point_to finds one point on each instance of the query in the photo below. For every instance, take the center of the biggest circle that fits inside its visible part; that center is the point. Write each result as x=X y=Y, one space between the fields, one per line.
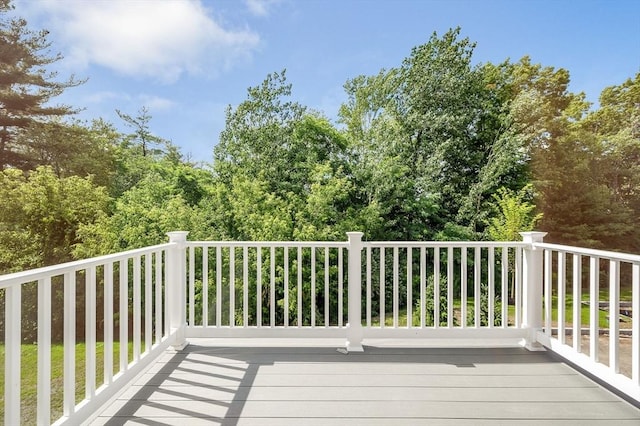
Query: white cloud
x=156 y=103
x=153 y=38
x=152 y=102
x=103 y=96
x=260 y=7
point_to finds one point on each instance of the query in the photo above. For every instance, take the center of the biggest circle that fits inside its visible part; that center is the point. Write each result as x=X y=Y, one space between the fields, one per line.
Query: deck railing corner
x=532 y=288
x=176 y=288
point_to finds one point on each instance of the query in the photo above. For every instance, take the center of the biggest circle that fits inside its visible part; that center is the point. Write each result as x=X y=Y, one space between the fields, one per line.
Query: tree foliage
x=41 y=227
x=285 y=171
x=165 y=199
x=577 y=163
x=514 y=214
x=431 y=140
x=142 y=137
x=26 y=87
x=73 y=149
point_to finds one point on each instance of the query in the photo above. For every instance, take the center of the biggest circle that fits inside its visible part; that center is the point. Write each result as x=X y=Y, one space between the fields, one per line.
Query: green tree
x=431 y=140
x=40 y=225
x=618 y=109
x=381 y=174
x=576 y=200
x=73 y=149
x=26 y=87
x=616 y=124
x=258 y=136
x=504 y=160
x=514 y=214
x=577 y=164
x=273 y=154
x=257 y=213
x=142 y=137
x=329 y=211
x=165 y=199
x=442 y=106
x=140 y=153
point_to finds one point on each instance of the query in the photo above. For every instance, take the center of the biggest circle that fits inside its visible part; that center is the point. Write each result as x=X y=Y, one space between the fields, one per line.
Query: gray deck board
x=319 y=386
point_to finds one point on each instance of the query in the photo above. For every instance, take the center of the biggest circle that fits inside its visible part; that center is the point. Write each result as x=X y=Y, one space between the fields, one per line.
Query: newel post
x=532 y=265
x=354 y=326
x=175 y=286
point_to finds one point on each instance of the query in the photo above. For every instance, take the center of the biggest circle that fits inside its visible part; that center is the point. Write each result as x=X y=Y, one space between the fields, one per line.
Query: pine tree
x=26 y=87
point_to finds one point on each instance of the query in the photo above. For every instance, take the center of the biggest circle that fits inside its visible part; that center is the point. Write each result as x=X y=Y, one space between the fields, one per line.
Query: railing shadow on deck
x=152 y=385
x=245 y=364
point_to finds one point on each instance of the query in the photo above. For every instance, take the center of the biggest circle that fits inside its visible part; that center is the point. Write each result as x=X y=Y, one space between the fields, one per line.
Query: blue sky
x=186 y=60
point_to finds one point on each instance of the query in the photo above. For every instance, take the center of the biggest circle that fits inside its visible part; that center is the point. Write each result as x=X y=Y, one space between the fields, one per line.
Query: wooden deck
x=209 y=385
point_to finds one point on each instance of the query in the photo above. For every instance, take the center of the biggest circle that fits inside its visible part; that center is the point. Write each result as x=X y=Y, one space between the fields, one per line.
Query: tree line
x=437 y=148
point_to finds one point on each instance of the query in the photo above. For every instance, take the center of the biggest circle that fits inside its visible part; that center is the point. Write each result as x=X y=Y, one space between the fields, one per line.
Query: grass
x=603 y=315
x=603 y=320
x=28 y=376
x=402 y=315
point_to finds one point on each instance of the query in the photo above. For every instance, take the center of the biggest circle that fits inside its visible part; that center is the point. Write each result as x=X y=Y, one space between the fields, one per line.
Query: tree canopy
x=437 y=147
x=26 y=86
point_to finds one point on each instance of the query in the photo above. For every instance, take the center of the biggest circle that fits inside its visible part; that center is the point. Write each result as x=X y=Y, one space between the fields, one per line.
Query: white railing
x=448 y=290
x=134 y=327
x=244 y=287
x=443 y=293
x=304 y=289
x=587 y=283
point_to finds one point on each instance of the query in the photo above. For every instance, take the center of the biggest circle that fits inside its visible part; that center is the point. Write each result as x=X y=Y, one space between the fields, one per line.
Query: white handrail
x=613 y=255
x=66 y=274
x=574 y=275
x=454 y=244
x=54 y=270
x=262 y=244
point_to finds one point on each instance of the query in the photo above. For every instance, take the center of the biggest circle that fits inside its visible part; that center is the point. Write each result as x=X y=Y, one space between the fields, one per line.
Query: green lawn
x=603 y=321
x=29 y=367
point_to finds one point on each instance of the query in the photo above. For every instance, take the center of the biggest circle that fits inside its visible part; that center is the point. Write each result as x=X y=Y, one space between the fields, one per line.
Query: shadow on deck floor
x=208 y=385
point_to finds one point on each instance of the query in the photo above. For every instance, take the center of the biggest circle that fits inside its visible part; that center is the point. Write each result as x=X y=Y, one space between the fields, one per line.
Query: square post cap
x=533 y=236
